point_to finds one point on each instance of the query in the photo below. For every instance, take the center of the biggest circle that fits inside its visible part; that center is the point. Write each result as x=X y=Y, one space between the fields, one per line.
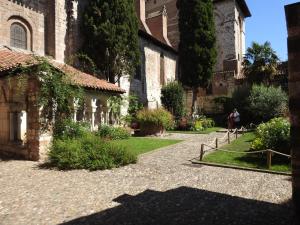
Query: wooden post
x=202 y=152
x=269 y=159
x=217 y=143
x=228 y=137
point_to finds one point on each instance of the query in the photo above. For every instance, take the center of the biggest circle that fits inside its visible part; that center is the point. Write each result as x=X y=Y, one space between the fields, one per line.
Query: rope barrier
x=279 y=153
x=254 y=152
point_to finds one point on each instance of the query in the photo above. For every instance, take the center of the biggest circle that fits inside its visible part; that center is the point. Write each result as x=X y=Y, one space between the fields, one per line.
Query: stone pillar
x=75 y=107
x=105 y=116
x=33 y=129
x=293 y=25
x=93 y=113
x=22 y=121
x=102 y=115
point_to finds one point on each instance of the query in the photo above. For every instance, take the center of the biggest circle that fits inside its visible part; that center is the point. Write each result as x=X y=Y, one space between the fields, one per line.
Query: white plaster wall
x=149 y=88
x=170 y=67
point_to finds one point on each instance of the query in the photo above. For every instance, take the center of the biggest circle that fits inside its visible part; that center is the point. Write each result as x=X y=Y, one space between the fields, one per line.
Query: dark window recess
x=138 y=73
x=14 y=126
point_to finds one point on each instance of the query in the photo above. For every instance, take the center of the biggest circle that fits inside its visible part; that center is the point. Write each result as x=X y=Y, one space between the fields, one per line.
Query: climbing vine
x=55 y=91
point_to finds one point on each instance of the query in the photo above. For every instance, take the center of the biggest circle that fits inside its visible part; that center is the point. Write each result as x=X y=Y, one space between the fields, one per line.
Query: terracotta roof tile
x=10 y=59
x=87 y=80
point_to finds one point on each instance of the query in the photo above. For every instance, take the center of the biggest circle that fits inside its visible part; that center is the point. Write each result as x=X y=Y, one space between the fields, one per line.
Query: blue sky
x=268 y=24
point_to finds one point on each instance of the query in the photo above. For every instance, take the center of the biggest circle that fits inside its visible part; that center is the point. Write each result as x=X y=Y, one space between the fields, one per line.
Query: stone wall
x=230 y=28
x=148 y=87
x=293 y=25
x=31 y=15
x=18 y=98
x=222 y=85
x=53 y=27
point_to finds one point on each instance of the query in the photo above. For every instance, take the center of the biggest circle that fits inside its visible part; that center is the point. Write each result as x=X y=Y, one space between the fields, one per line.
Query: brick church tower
x=230 y=18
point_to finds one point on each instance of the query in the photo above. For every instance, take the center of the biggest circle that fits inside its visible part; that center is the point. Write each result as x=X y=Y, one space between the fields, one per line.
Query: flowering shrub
x=274 y=134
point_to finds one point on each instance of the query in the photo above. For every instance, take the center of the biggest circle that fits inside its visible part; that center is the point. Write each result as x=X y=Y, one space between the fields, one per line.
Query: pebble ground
x=162 y=188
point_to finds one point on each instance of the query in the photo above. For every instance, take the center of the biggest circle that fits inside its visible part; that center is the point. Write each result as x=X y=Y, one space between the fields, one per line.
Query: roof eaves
x=157 y=42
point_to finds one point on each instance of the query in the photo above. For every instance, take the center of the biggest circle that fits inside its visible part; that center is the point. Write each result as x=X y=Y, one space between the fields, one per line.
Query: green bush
x=240 y=101
x=134 y=105
x=172 y=98
x=157 y=117
x=202 y=123
x=274 y=134
x=113 y=133
x=88 y=152
x=266 y=103
x=69 y=128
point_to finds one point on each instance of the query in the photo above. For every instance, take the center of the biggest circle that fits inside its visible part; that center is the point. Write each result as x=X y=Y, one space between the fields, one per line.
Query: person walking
x=230 y=121
x=236 y=119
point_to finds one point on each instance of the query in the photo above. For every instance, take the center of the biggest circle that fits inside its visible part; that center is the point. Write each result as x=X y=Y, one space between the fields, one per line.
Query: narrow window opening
x=18 y=36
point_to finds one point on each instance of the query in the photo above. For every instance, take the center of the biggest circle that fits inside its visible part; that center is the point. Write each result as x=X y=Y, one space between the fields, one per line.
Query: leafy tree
x=134 y=105
x=172 y=98
x=197 y=48
x=110 y=30
x=266 y=103
x=260 y=63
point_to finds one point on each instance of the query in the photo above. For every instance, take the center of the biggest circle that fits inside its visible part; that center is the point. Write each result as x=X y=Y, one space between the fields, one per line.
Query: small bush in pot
x=154 y=121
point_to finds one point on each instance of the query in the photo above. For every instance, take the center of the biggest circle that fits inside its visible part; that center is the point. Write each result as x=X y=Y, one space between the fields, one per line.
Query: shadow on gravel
x=189 y=206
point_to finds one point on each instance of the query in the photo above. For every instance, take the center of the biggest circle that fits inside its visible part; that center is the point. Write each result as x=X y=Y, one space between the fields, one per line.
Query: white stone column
x=102 y=119
x=22 y=122
x=93 y=112
x=75 y=107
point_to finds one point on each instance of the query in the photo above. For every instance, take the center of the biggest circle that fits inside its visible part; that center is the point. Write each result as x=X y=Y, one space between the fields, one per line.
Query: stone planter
x=151 y=129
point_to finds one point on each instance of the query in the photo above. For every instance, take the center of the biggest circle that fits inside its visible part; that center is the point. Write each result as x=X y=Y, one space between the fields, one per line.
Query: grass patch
x=206 y=131
x=258 y=161
x=139 y=145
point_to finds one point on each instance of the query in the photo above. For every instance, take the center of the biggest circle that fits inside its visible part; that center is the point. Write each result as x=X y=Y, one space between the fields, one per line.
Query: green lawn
x=140 y=145
x=258 y=161
x=206 y=131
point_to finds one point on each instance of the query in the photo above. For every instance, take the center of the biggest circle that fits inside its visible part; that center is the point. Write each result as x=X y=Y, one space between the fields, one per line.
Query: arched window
x=18 y=36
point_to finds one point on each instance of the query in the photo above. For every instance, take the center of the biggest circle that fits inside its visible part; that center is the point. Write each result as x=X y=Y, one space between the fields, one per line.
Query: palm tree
x=260 y=63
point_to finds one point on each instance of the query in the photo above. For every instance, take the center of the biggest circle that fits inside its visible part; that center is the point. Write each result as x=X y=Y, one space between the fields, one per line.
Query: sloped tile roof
x=88 y=81
x=10 y=59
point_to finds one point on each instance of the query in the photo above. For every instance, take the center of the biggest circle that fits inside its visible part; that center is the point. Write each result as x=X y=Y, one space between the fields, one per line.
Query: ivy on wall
x=55 y=92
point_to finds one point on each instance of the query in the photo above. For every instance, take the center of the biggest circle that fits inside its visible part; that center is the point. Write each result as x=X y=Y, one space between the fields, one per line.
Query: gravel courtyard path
x=162 y=188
